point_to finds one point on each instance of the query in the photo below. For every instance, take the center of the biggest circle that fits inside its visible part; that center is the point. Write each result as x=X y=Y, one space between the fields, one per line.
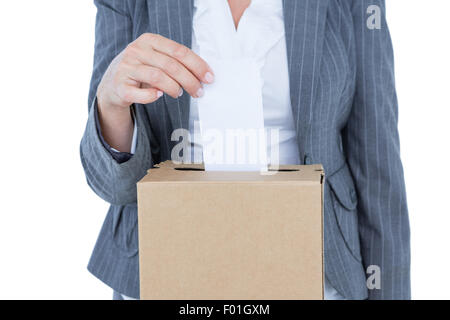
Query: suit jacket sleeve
x=114 y=181
x=371 y=143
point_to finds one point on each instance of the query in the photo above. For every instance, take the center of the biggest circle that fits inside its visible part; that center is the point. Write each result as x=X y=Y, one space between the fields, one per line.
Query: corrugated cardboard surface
x=231 y=235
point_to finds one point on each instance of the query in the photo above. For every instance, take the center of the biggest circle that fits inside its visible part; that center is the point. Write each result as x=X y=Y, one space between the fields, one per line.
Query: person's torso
x=321 y=68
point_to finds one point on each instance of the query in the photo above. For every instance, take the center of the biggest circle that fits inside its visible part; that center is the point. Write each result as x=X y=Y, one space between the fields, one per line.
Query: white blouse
x=260 y=36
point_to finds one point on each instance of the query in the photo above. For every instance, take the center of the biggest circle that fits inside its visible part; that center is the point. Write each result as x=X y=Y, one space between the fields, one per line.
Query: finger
x=156 y=78
x=175 y=70
x=132 y=94
x=181 y=53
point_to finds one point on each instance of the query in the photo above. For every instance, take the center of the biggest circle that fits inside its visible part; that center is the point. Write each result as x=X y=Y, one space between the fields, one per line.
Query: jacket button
x=307 y=159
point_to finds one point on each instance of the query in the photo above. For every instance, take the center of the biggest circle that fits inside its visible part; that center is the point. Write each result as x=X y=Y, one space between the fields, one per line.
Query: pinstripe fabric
x=345 y=110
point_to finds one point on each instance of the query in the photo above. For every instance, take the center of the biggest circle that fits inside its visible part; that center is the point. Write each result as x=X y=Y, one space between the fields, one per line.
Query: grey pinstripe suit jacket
x=345 y=109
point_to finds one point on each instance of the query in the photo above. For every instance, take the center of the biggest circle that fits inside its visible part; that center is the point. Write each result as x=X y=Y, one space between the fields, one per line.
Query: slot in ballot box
x=207 y=235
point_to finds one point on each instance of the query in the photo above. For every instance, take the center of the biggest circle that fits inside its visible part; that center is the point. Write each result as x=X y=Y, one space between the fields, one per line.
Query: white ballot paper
x=231 y=117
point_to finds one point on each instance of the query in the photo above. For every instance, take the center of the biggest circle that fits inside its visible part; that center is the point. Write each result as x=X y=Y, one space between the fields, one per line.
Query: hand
x=150 y=66
x=141 y=73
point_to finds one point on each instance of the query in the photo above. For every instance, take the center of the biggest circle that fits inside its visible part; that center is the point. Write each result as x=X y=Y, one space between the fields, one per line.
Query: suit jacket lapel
x=173 y=19
x=305 y=27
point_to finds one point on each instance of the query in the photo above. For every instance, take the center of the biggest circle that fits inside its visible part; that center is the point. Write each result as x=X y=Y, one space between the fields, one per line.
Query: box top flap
x=170 y=172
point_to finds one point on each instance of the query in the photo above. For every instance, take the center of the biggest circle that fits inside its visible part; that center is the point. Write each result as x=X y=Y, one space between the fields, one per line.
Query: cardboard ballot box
x=231 y=235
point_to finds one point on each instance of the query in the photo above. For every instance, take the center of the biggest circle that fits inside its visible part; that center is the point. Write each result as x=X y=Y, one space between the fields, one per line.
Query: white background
x=49 y=218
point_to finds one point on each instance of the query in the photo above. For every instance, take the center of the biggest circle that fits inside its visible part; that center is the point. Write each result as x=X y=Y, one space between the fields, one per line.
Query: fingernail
x=200 y=93
x=159 y=94
x=209 y=78
x=180 y=93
